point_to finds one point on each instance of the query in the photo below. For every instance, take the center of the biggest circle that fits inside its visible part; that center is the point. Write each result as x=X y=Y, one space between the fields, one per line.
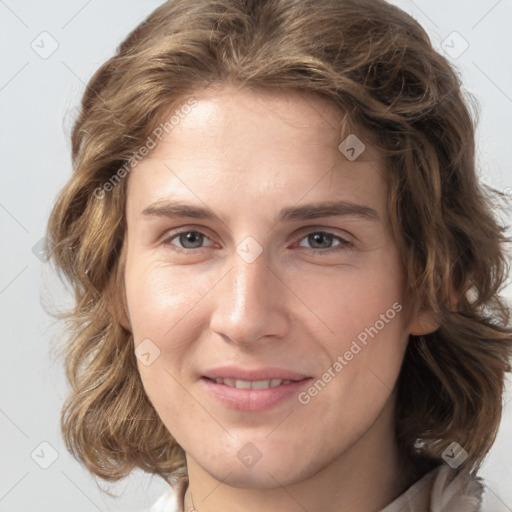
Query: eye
x=323 y=240
x=190 y=239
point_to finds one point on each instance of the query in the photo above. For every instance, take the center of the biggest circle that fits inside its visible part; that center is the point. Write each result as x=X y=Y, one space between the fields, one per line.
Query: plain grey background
x=49 y=49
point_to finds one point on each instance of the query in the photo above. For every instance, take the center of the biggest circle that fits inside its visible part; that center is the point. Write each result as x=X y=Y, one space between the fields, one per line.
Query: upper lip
x=253 y=374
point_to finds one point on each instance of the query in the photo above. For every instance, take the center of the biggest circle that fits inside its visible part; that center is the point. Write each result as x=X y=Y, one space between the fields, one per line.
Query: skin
x=245 y=155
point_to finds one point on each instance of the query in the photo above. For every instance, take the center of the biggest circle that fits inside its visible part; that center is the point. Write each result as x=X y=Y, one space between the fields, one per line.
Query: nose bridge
x=248 y=282
x=248 y=304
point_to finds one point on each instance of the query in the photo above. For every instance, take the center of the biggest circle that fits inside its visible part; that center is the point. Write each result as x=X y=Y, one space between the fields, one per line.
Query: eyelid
x=342 y=245
x=174 y=233
x=325 y=229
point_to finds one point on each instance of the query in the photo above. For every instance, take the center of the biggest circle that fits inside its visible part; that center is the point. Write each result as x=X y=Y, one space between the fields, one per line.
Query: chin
x=257 y=477
x=273 y=468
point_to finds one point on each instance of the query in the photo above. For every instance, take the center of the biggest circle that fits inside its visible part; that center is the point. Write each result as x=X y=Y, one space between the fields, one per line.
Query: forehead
x=259 y=144
x=287 y=116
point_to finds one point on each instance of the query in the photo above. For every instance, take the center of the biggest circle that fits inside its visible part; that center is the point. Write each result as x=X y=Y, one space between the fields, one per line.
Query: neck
x=365 y=478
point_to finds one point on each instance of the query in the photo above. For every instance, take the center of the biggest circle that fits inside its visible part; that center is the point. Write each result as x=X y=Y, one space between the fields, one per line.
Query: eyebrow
x=292 y=213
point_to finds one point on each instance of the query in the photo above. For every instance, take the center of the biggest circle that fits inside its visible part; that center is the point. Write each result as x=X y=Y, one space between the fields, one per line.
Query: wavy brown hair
x=376 y=64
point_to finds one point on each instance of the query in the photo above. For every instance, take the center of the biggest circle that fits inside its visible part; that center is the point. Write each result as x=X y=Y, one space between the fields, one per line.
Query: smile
x=252 y=384
x=252 y=395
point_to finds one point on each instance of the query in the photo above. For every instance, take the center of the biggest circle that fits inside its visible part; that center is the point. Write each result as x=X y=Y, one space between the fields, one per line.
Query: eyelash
x=344 y=245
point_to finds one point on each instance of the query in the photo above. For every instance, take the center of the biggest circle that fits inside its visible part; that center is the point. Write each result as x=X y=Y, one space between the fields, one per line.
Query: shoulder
x=172 y=500
x=441 y=490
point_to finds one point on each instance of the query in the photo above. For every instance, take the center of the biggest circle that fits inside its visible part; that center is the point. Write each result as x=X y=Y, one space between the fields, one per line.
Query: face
x=264 y=291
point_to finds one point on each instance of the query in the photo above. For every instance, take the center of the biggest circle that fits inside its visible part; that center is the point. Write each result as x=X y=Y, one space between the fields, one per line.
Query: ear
x=423 y=323
x=118 y=302
x=122 y=311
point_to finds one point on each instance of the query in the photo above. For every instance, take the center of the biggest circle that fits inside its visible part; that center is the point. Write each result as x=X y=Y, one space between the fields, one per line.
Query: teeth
x=242 y=384
x=254 y=384
x=259 y=384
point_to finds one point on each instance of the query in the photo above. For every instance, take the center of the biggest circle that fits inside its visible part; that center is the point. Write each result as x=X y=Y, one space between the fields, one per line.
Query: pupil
x=189 y=238
x=317 y=237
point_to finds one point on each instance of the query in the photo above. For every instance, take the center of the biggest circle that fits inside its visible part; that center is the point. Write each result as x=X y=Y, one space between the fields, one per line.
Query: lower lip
x=253 y=399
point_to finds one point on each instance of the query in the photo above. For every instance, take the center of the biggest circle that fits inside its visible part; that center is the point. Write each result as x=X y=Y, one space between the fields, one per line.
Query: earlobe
x=118 y=303
x=424 y=323
x=123 y=318
x=121 y=309
x=118 y=309
x=120 y=300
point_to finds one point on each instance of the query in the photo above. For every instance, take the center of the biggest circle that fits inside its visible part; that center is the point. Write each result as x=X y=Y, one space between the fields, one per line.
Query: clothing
x=441 y=490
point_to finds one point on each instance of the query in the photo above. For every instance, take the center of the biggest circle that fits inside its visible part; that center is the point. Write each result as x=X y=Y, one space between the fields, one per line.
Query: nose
x=250 y=303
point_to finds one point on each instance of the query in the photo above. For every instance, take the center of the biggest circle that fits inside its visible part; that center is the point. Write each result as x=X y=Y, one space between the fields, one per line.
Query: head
x=242 y=114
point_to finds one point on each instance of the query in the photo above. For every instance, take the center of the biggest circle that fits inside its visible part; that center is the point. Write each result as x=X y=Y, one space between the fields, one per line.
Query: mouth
x=256 y=394
x=248 y=384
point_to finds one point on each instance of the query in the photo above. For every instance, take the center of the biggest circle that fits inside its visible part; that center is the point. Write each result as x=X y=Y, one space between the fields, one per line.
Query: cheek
x=161 y=298
x=363 y=317
x=161 y=303
x=352 y=299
